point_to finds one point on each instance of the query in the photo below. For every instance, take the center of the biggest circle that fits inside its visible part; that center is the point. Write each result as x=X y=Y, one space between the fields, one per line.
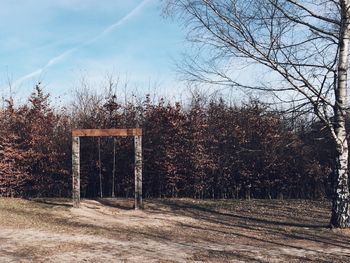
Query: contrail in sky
x=55 y=60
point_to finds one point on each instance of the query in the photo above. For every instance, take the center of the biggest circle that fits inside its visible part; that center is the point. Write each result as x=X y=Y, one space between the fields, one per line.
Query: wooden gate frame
x=77 y=133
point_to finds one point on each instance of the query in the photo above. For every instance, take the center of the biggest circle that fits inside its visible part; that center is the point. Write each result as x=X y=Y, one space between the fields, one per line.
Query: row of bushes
x=204 y=149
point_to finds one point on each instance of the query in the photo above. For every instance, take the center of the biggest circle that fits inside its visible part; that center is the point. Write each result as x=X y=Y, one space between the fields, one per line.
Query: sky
x=61 y=42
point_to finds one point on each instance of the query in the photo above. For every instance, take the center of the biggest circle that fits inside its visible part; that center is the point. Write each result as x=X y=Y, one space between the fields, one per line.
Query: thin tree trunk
x=340 y=209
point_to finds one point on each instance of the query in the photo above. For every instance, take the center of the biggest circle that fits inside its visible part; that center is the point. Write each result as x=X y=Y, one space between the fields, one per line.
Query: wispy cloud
x=136 y=11
x=59 y=58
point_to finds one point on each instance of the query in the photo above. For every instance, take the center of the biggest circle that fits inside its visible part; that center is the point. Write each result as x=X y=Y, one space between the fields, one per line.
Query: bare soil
x=169 y=230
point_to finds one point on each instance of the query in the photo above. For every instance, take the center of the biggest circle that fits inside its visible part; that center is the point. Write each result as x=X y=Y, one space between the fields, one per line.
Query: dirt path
x=32 y=245
x=169 y=231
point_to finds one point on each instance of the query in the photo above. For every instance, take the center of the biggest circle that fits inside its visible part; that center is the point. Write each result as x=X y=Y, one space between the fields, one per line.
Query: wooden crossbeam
x=106 y=132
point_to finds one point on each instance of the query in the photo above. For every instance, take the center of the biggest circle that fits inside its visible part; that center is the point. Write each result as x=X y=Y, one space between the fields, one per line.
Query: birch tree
x=303 y=43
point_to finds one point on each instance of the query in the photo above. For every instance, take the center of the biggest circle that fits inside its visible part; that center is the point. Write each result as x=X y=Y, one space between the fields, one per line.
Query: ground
x=169 y=230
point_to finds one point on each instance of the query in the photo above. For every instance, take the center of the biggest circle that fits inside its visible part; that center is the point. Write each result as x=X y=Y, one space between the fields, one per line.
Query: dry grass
x=169 y=230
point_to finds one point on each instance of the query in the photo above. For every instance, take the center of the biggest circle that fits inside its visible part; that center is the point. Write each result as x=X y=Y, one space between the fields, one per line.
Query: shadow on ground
x=222 y=230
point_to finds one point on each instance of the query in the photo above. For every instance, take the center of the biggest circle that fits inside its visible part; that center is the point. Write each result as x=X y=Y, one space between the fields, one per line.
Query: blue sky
x=59 y=42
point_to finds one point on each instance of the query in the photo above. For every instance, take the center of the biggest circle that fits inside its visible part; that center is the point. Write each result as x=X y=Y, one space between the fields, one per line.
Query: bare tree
x=305 y=45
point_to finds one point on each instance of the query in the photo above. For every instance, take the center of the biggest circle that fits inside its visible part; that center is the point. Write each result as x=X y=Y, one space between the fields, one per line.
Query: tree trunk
x=341 y=210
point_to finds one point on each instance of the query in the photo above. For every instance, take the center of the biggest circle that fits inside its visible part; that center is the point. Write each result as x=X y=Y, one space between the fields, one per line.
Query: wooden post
x=100 y=166
x=138 y=172
x=77 y=133
x=76 y=171
x=113 y=172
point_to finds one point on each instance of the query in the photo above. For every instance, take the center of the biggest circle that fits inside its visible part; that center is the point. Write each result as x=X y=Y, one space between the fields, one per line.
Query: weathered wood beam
x=138 y=172
x=106 y=132
x=76 y=171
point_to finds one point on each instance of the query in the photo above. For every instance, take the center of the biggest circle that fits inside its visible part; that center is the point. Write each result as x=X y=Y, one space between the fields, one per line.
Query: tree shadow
x=282 y=230
x=217 y=232
x=53 y=202
x=116 y=203
x=176 y=206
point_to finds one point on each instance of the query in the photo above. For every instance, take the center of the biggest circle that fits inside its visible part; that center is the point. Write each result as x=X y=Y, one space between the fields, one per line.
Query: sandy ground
x=169 y=230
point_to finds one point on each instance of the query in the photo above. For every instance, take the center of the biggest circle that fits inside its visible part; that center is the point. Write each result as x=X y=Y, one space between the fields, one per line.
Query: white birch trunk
x=341 y=210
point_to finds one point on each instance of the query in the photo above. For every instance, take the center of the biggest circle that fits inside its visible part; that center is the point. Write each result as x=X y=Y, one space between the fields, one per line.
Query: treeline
x=204 y=149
